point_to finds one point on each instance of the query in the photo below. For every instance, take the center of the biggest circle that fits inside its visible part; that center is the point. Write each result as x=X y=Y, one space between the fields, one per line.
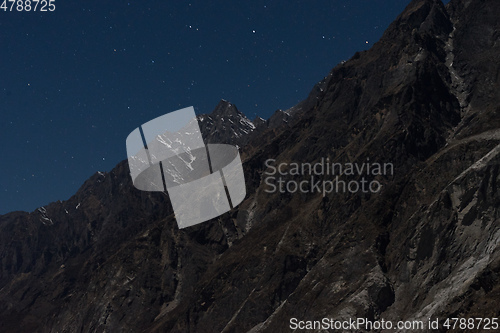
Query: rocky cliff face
x=226 y=124
x=424 y=98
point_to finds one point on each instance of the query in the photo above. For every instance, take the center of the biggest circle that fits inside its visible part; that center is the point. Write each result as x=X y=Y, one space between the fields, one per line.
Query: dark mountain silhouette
x=226 y=124
x=424 y=98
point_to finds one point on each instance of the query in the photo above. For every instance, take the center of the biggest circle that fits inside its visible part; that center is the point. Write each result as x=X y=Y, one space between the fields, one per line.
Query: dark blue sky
x=75 y=82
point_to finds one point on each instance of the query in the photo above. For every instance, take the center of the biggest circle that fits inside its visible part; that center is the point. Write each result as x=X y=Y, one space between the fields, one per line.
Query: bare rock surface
x=425 y=98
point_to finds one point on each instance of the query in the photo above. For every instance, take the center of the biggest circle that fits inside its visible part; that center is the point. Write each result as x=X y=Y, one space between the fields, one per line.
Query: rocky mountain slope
x=425 y=99
x=226 y=124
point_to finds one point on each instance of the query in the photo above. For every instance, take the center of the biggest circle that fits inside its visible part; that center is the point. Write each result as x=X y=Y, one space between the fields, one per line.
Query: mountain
x=226 y=124
x=423 y=100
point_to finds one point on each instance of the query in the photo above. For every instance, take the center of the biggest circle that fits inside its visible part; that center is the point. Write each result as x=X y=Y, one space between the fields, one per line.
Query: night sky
x=76 y=81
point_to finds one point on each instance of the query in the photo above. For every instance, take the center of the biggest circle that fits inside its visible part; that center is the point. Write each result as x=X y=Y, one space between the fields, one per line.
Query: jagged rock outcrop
x=424 y=99
x=260 y=122
x=226 y=124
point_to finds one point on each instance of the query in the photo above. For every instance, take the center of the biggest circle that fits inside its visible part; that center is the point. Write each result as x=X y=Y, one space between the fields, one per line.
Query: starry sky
x=76 y=81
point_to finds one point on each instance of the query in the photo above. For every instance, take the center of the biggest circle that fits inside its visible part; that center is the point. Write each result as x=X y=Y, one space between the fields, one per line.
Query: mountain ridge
x=425 y=246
